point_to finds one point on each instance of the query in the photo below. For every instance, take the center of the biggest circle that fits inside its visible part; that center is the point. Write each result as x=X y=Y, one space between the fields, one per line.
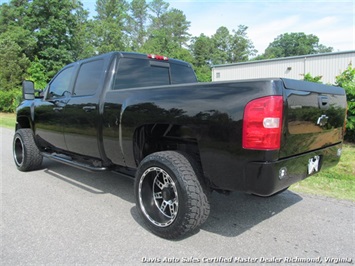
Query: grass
x=337 y=182
x=7 y=120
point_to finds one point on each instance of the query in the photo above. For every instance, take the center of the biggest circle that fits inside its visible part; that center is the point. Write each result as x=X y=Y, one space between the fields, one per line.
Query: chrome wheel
x=18 y=151
x=170 y=198
x=158 y=196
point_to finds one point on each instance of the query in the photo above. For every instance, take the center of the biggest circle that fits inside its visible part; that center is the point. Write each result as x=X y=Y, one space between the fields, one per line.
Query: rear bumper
x=267 y=178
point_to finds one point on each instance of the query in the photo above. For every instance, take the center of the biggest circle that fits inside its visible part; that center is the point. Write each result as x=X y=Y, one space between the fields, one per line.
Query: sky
x=333 y=22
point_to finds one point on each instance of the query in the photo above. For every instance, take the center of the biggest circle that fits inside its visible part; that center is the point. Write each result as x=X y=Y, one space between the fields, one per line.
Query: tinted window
x=182 y=74
x=89 y=77
x=61 y=83
x=134 y=73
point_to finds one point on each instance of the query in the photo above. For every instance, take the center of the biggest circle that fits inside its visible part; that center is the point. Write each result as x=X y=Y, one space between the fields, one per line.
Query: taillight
x=262 y=123
x=157 y=57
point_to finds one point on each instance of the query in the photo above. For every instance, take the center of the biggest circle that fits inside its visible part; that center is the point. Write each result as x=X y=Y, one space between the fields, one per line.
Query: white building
x=327 y=65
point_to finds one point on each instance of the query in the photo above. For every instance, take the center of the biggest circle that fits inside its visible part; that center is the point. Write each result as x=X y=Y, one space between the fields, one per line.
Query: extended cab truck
x=147 y=117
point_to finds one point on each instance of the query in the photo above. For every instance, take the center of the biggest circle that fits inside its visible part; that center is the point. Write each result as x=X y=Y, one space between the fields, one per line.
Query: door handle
x=89 y=108
x=323 y=101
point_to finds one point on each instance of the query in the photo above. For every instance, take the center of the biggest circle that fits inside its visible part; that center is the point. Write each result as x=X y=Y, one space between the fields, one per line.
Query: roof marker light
x=157 y=57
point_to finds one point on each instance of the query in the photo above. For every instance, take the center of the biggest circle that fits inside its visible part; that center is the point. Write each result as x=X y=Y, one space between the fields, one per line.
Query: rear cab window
x=182 y=74
x=142 y=72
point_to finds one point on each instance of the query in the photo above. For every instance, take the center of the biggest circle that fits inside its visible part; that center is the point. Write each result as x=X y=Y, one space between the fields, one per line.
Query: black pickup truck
x=146 y=116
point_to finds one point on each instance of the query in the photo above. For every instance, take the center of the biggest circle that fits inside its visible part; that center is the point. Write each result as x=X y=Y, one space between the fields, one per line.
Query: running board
x=69 y=162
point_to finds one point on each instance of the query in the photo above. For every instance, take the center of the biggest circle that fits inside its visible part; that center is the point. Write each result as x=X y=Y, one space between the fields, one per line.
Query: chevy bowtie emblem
x=322 y=120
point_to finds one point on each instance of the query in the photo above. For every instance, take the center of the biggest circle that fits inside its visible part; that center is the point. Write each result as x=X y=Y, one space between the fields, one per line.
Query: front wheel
x=170 y=196
x=26 y=155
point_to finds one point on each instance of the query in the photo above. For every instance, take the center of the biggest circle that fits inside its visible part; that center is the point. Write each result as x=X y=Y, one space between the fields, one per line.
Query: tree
x=13 y=65
x=109 y=26
x=203 y=73
x=53 y=24
x=293 y=44
x=176 y=26
x=36 y=72
x=168 y=31
x=310 y=78
x=241 y=48
x=221 y=46
x=13 y=14
x=158 y=8
x=137 y=24
x=201 y=48
x=231 y=47
x=83 y=46
x=22 y=37
x=346 y=80
x=45 y=29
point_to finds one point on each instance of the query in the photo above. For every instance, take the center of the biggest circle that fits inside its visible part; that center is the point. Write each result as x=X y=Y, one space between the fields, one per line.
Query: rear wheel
x=169 y=195
x=26 y=155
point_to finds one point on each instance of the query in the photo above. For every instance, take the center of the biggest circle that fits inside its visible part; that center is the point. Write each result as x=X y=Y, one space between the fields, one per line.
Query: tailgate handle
x=323 y=101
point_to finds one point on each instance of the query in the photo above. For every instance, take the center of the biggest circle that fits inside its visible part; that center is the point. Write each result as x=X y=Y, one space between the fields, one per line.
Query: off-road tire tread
x=32 y=159
x=198 y=207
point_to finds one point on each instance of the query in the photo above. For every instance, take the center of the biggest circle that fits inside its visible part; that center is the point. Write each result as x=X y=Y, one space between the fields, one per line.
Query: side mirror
x=28 y=90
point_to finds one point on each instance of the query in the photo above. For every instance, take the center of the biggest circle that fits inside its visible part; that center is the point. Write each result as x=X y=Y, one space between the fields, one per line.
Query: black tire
x=169 y=196
x=26 y=155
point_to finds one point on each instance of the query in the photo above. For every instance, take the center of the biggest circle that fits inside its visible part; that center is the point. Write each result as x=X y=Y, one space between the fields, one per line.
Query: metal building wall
x=326 y=65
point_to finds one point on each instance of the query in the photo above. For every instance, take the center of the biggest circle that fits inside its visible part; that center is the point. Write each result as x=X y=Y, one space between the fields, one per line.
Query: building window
x=218 y=75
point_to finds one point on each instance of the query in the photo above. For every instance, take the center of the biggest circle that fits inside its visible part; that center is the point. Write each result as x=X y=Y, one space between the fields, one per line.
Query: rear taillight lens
x=262 y=123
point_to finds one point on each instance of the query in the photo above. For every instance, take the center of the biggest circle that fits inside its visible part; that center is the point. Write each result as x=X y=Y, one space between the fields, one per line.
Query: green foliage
x=293 y=44
x=109 y=26
x=168 y=30
x=309 y=77
x=137 y=23
x=53 y=23
x=223 y=47
x=220 y=46
x=7 y=120
x=201 y=48
x=337 y=182
x=9 y=100
x=36 y=73
x=39 y=37
x=13 y=64
x=346 y=80
x=82 y=40
x=13 y=14
x=241 y=48
x=203 y=73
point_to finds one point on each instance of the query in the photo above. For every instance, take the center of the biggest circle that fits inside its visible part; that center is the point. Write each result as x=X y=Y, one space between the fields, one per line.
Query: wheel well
x=161 y=137
x=22 y=122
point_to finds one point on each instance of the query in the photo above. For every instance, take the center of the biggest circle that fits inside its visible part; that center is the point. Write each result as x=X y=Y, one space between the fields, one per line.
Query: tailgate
x=314 y=117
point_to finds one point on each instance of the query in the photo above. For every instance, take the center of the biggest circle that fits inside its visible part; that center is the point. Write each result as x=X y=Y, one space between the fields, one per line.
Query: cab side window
x=61 y=83
x=89 y=78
